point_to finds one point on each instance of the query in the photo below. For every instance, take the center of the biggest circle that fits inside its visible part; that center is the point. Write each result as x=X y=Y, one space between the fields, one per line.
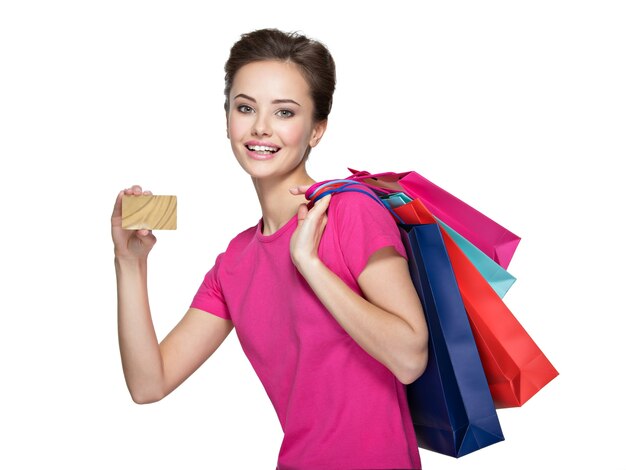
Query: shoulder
x=359 y=205
x=234 y=249
x=360 y=217
x=362 y=225
x=243 y=238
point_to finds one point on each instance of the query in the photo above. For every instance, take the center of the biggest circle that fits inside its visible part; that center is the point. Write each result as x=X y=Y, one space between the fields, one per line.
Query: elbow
x=413 y=371
x=415 y=365
x=144 y=397
x=141 y=399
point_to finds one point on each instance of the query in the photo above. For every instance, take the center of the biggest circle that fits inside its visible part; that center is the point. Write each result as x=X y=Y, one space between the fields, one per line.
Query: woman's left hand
x=311 y=223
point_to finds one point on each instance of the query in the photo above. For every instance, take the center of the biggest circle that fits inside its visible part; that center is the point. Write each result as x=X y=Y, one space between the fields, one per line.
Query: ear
x=318 y=132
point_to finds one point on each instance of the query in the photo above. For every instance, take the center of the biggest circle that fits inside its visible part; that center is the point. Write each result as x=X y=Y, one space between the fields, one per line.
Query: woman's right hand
x=130 y=244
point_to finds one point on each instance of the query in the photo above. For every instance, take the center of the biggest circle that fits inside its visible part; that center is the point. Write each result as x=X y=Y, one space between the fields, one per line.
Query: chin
x=258 y=169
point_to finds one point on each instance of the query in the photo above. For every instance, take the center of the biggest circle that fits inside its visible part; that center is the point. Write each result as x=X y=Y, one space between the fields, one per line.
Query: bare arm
x=389 y=323
x=153 y=370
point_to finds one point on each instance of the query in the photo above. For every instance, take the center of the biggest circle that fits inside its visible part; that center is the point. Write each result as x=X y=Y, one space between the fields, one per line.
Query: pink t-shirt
x=338 y=406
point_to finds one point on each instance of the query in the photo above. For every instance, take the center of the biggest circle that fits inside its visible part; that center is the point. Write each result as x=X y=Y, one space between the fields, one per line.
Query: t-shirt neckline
x=277 y=233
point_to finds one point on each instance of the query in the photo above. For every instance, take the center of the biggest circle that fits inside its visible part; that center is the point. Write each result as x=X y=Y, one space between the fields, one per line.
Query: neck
x=277 y=203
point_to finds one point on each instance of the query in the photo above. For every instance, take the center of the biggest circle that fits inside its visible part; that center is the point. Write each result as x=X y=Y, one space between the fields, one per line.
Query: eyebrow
x=242 y=95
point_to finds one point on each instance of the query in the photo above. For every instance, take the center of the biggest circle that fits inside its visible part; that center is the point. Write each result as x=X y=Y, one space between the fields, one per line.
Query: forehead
x=271 y=80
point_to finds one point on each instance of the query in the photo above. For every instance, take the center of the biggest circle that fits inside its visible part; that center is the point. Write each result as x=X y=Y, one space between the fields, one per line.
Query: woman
x=321 y=299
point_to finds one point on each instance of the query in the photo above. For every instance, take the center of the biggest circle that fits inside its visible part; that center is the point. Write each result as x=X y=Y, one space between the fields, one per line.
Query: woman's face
x=270 y=118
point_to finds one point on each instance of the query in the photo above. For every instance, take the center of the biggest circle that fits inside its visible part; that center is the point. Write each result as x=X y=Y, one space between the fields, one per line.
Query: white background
x=516 y=107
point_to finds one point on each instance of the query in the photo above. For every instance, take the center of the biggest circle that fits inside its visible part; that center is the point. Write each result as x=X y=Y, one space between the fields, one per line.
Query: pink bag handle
x=383 y=182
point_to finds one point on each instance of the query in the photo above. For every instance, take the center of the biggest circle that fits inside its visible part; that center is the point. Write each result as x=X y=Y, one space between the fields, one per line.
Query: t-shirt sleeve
x=363 y=226
x=209 y=297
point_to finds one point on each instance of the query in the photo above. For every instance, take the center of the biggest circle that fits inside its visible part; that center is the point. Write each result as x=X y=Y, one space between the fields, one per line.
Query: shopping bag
x=488 y=236
x=451 y=405
x=515 y=367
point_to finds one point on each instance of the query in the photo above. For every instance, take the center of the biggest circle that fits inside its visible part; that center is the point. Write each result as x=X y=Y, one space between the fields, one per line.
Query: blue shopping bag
x=451 y=405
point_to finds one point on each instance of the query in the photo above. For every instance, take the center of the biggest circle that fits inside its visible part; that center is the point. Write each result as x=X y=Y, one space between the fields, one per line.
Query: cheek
x=294 y=133
x=236 y=126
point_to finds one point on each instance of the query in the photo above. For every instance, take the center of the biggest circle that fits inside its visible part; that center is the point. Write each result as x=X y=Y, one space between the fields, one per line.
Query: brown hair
x=312 y=58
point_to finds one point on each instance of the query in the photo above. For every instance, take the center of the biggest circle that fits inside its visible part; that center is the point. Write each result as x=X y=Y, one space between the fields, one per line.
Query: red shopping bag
x=515 y=367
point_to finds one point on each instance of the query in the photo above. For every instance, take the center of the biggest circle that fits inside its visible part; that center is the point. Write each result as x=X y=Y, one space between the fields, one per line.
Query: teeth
x=262 y=148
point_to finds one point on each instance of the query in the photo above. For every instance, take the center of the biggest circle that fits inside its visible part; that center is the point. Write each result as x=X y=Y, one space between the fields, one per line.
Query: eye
x=285 y=113
x=244 y=108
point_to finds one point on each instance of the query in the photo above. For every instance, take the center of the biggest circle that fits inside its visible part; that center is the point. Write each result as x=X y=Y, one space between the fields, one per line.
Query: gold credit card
x=149 y=212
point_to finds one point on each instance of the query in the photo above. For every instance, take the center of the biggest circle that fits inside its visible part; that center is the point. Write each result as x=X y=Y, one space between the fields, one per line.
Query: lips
x=261 y=150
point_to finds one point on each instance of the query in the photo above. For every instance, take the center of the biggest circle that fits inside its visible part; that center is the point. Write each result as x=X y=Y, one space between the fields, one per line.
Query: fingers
x=300 y=189
x=302 y=213
x=321 y=205
x=134 y=190
x=318 y=210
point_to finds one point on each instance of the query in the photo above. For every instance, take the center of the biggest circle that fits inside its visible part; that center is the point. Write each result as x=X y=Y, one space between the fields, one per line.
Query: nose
x=261 y=125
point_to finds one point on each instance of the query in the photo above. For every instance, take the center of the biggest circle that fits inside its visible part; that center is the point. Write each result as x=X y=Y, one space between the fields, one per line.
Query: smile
x=262 y=149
